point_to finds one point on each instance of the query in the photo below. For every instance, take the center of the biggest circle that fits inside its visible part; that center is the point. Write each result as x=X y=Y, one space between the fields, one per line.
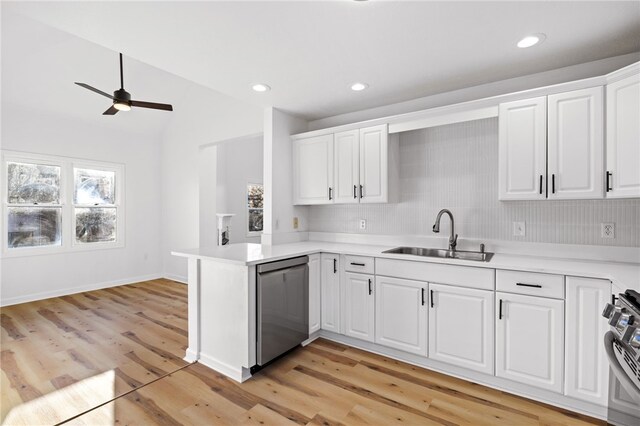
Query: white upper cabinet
x=346 y=167
x=314 y=293
x=359 y=306
x=522 y=136
x=401 y=314
x=313 y=170
x=461 y=330
x=373 y=164
x=530 y=340
x=346 y=160
x=623 y=138
x=587 y=368
x=576 y=144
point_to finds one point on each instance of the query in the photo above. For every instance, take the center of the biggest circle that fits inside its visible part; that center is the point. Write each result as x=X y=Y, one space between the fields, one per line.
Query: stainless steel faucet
x=453 y=238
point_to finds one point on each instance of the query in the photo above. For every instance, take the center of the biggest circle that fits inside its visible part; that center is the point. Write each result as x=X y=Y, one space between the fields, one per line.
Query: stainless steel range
x=622 y=343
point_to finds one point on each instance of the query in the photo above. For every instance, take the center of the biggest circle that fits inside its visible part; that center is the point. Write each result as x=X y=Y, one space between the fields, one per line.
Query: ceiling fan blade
x=111 y=111
x=93 y=89
x=152 y=105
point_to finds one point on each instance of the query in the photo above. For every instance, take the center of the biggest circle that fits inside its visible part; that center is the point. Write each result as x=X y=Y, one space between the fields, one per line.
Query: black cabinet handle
x=529 y=285
x=330 y=197
x=553 y=183
x=422 y=296
x=431 y=296
x=609 y=181
x=361 y=191
x=500 y=310
x=540 y=184
x=357 y=264
x=370 y=290
x=335 y=265
x=355 y=195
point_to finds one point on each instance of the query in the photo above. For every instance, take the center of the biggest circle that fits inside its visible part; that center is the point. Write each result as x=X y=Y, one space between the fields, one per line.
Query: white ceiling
x=311 y=52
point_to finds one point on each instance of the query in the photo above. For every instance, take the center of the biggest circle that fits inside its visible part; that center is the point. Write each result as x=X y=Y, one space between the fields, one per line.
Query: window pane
x=34 y=226
x=33 y=183
x=95 y=224
x=255 y=220
x=255 y=195
x=94 y=187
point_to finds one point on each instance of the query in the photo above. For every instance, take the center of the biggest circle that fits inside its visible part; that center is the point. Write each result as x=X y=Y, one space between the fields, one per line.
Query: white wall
x=42 y=276
x=206 y=117
x=279 y=210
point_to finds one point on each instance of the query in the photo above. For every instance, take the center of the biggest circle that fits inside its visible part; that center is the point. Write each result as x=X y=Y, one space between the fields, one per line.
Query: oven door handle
x=620 y=374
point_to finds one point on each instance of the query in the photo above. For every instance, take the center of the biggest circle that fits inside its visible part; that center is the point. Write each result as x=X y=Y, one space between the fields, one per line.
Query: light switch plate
x=295 y=223
x=519 y=229
x=608 y=230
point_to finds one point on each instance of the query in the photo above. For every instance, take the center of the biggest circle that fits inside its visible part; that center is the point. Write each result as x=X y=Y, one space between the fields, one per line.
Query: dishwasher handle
x=282 y=264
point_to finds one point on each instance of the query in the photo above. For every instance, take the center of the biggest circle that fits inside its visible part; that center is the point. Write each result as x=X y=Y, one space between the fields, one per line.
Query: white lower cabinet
x=461 y=327
x=359 y=306
x=314 y=293
x=330 y=292
x=530 y=340
x=401 y=314
x=587 y=368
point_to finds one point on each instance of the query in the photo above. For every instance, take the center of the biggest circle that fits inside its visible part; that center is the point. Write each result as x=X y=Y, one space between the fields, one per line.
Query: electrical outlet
x=295 y=223
x=363 y=224
x=608 y=230
x=519 y=229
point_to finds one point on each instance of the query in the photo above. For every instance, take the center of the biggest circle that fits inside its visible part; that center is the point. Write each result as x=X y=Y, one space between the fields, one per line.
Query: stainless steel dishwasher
x=282 y=307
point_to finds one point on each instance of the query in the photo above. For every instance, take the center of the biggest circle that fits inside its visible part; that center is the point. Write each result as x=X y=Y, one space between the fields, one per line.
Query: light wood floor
x=139 y=335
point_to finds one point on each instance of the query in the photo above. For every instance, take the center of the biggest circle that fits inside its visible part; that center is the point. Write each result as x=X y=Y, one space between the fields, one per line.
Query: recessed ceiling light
x=261 y=87
x=531 y=40
x=357 y=87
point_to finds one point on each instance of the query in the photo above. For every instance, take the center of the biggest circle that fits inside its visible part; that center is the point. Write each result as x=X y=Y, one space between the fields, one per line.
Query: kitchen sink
x=442 y=253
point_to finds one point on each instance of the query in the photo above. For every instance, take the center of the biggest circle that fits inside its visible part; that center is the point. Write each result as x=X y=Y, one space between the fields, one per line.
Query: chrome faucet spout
x=453 y=237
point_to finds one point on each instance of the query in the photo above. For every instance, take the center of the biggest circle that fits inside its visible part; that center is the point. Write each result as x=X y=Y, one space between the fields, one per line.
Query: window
x=54 y=204
x=255 y=195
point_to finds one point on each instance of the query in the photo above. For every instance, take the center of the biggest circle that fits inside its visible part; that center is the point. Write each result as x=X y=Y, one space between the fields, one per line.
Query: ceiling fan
x=122 y=99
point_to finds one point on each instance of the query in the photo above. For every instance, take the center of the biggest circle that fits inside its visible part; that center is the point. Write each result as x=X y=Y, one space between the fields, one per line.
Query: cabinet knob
x=608 y=310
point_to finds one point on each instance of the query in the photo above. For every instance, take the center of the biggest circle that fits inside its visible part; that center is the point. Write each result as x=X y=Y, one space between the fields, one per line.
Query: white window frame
x=246 y=223
x=67 y=188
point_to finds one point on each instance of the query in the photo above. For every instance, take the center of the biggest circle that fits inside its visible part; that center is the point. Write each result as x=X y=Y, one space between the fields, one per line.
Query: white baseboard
x=174 y=277
x=73 y=290
x=238 y=374
x=190 y=355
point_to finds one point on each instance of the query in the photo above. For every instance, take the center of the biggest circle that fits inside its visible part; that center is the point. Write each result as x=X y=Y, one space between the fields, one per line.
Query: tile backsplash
x=456 y=167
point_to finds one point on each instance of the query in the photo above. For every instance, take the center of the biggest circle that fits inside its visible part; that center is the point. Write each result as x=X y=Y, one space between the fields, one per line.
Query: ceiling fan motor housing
x=122 y=95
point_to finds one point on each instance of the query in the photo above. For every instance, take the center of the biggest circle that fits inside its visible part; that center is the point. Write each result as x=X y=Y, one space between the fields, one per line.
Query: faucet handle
x=482 y=248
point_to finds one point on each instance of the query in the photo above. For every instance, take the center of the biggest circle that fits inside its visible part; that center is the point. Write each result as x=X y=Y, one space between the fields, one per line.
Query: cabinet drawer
x=360 y=264
x=531 y=283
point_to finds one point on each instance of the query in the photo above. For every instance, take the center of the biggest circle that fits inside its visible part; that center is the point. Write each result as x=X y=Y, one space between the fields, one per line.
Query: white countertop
x=622 y=275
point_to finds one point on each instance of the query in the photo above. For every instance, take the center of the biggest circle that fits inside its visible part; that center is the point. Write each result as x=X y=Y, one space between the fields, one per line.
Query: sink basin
x=442 y=253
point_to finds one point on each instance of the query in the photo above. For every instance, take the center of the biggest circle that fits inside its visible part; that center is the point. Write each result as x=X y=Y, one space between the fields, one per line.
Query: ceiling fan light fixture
x=122 y=106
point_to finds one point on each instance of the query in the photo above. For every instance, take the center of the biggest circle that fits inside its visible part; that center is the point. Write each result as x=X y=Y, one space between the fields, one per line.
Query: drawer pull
x=357 y=264
x=529 y=285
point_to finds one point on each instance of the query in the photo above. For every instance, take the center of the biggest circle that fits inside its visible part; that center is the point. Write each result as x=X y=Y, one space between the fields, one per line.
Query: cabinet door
x=330 y=292
x=530 y=340
x=587 y=368
x=522 y=148
x=359 y=306
x=401 y=314
x=374 y=164
x=576 y=144
x=314 y=293
x=313 y=170
x=623 y=138
x=346 y=158
x=461 y=327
